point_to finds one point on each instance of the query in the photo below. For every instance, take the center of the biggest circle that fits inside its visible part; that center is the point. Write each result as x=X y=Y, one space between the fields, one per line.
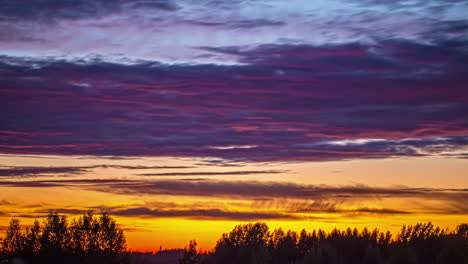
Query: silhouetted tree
x=372 y=255
x=455 y=247
x=190 y=254
x=462 y=230
x=98 y=239
x=55 y=237
x=244 y=244
x=323 y=254
x=404 y=255
x=418 y=244
x=89 y=240
x=306 y=241
x=284 y=246
x=110 y=237
x=84 y=234
x=33 y=239
x=13 y=243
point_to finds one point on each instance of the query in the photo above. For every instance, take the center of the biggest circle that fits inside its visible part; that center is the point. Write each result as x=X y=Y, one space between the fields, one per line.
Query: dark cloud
x=212 y=173
x=249 y=189
x=39 y=171
x=140 y=167
x=288 y=200
x=168 y=210
x=457 y=155
x=202 y=214
x=356 y=211
x=5 y=202
x=51 y=10
x=220 y=163
x=286 y=102
x=322 y=205
x=213 y=213
x=379 y=211
x=238 y=24
x=166 y=5
x=15 y=171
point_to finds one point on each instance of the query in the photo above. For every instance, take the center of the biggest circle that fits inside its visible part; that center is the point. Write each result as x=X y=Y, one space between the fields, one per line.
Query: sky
x=185 y=118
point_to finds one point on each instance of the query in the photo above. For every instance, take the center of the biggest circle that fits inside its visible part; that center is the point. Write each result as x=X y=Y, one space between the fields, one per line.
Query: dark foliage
x=88 y=239
x=190 y=254
x=414 y=244
x=98 y=239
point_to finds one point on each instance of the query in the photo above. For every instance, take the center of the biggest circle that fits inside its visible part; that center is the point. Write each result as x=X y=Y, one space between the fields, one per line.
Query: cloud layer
x=250 y=200
x=284 y=102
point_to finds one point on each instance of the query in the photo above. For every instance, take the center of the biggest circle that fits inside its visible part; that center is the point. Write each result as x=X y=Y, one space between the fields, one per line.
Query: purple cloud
x=51 y=11
x=39 y=171
x=287 y=102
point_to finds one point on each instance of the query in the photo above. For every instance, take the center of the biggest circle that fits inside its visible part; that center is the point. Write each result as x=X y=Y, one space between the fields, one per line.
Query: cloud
x=217 y=210
x=284 y=102
x=255 y=200
x=5 y=202
x=353 y=211
x=457 y=155
x=98 y=25
x=321 y=195
x=175 y=211
x=202 y=214
x=39 y=171
x=379 y=211
x=140 y=167
x=166 y=210
x=212 y=173
x=324 y=206
x=50 y=10
x=325 y=198
x=405 y=4
x=249 y=189
x=25 y=172
x=238 y=24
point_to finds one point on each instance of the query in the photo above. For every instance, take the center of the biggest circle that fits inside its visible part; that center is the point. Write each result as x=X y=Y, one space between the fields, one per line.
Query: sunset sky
x=185 y=118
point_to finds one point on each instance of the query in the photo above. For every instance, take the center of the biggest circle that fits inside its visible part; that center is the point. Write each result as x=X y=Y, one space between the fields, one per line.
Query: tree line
x=87 y=239
x=415 y=244
x=98 y=239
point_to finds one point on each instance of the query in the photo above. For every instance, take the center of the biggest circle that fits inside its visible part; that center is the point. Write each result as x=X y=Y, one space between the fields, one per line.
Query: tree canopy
x=414 y=244
x=88 y=239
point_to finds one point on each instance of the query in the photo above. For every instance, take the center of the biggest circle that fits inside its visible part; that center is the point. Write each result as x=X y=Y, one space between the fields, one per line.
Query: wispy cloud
x=27 y=172
x=212 y=173
x=39 y=171
x=238 y=24
x=283 y=196
x=203 y=214
x=291 y=211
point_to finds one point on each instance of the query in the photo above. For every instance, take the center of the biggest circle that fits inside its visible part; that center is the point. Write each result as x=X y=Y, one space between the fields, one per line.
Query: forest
x=414 y=244
x=99 y=239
